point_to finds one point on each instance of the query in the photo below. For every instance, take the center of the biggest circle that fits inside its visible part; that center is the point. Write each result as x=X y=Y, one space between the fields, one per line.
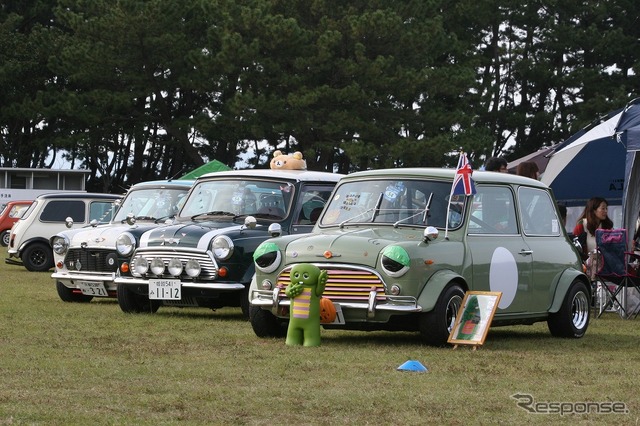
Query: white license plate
x=339 y=315
x=92 y=288
x=165 y=289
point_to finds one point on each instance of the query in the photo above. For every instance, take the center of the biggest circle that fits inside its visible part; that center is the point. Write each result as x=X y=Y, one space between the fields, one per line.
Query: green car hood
x=360 y=245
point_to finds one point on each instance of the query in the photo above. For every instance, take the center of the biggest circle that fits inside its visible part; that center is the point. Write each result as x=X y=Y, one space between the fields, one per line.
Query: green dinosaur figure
x=307 y=285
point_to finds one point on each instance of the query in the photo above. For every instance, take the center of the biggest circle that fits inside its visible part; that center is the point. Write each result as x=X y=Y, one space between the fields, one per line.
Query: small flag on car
x=463 y=183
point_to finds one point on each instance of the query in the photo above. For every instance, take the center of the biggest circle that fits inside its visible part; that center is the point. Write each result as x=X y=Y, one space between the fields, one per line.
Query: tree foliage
x=141 y=89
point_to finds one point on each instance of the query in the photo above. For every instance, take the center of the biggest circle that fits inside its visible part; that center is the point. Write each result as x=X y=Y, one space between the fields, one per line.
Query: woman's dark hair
x=528 y=169
x=590 y=214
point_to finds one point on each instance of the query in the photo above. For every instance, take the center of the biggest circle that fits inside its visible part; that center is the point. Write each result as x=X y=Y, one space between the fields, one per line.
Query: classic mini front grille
x=343 y=283
x=94 y=260
x=208 y=266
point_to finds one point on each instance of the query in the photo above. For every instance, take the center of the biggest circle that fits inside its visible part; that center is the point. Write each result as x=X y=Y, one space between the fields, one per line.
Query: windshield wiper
x=427 y=209
x=213 y=213
x=138 y=218
x=377 y=207
x=425 y=213
x=158 y=220
x=395 y=225
x=267 y=215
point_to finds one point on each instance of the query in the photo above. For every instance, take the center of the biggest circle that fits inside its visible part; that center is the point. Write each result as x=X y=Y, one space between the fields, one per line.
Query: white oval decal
x=503 y=276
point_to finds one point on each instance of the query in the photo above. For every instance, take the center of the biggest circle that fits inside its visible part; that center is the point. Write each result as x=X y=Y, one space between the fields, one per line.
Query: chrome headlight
x=175 y=267
x=125 y=243
x=267 y=257
x=139 y=266
x=192 y=268
x=60 y=244
x=157 y=266
x=395 y=261
x=222 y=247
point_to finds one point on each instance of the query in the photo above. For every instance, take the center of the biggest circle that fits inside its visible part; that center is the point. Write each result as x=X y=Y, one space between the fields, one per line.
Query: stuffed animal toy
x=304 y=291
x=282 y=161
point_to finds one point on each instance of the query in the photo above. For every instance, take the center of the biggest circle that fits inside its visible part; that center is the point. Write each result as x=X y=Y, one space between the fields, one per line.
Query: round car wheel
x=265 y=324
x=5 y=237
x=572 y=319
x=436 y=325
x=38 y=257
x=67 y=294
x=131 y=302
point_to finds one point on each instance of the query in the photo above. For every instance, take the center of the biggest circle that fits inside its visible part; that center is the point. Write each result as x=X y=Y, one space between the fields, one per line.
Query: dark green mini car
x=401 y=252
x=204 y=259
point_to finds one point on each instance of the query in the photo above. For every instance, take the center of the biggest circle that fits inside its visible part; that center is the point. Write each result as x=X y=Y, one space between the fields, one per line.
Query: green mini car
x=401 y=251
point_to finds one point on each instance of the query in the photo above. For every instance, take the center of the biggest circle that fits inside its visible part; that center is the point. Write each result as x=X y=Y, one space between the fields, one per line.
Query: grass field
x=64 y=363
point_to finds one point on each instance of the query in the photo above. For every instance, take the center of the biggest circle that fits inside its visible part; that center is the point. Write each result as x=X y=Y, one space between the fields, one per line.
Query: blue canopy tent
x=628 y=134
x=591 y=163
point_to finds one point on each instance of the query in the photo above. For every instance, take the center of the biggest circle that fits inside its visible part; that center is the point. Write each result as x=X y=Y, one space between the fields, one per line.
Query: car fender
x=434 y=287
x=564 y=283
x=27 y=243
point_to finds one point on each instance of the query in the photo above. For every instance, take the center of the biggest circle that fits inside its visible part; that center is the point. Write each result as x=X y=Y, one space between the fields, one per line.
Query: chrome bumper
x=400 y=304
x=69 y=279
x=184 y=284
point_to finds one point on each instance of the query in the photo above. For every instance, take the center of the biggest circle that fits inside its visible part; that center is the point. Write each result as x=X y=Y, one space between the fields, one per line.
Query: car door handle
x=526 y=252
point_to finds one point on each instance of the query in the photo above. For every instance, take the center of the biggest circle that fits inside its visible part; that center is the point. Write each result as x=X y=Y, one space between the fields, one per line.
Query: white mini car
x=29 y=239
x=86 y=260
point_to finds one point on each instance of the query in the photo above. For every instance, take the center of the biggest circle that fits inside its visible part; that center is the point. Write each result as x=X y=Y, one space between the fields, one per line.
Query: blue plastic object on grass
x=413 y=365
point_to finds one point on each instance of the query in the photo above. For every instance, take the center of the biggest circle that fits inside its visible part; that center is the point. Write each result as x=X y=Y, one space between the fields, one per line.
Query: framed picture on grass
x=474 y=318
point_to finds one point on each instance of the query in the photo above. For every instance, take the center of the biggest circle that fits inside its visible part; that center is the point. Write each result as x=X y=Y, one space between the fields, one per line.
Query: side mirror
x=275 y=229
x=430 y=234
x=250 y=222
x=68 y=222
x=131 y=219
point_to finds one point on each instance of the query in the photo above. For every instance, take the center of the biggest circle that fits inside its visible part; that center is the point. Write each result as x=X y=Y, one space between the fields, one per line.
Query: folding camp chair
x=614 y=271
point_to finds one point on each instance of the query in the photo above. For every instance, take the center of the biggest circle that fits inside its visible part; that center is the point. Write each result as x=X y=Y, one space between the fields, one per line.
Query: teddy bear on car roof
x=293 y=161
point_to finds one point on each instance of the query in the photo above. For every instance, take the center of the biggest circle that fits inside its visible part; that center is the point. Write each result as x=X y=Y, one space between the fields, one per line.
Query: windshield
x=18 y=210
x=395 y=202
x=31 y=208
x=260 y=198
x=151 y=203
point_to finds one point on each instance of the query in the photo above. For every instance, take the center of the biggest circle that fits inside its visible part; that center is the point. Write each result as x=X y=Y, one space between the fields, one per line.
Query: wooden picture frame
x=474 y=318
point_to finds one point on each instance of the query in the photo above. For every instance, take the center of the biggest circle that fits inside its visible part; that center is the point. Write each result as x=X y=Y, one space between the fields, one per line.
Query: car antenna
x=178 y=173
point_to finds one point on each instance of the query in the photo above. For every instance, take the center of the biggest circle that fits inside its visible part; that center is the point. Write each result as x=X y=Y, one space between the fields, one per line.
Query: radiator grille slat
x=94 y=260
x=343 y=283
x=209 y=268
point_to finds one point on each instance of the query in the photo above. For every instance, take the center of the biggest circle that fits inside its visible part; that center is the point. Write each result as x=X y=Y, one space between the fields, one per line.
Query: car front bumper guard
x=184 y=284
x=66 y=277
x=400 y=304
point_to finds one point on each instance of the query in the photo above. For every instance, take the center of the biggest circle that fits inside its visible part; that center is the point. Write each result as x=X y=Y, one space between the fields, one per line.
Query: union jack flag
x=462 y=183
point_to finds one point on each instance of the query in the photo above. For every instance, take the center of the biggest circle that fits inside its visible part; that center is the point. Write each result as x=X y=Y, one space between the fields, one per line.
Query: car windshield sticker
x=393 y=191
x=350 y=201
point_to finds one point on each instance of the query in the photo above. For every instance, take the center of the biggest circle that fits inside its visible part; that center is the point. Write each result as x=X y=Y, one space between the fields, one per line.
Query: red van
x=10 y=213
